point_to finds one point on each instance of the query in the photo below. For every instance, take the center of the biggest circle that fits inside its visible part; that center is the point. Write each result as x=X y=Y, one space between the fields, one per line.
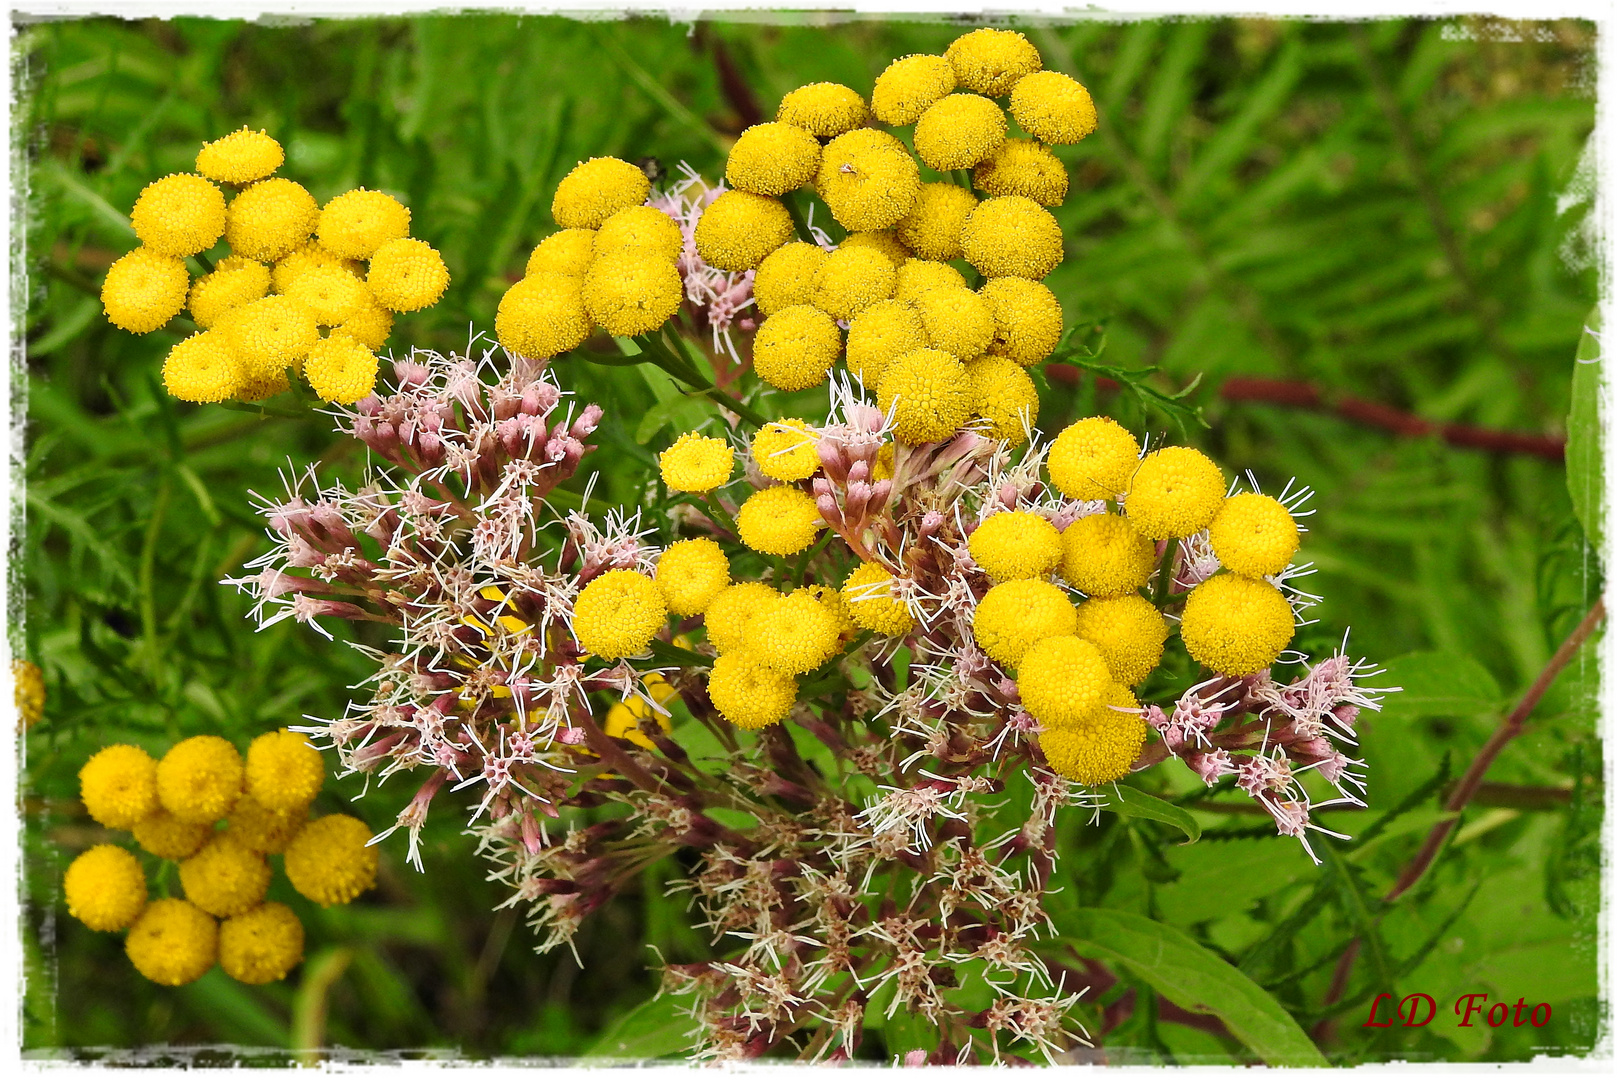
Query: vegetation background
x=1390 y=211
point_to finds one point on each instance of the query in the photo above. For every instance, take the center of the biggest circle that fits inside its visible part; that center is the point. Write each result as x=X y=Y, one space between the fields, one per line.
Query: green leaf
x=659 y=1028
x=1193 y=977
x=1583 y=454
x=1129 y=802
x=1438 y=684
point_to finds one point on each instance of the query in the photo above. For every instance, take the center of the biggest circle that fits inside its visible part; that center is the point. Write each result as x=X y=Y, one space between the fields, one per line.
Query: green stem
x=801 y=228
x=154 y=527
x=1161 y=587
x=717 y=513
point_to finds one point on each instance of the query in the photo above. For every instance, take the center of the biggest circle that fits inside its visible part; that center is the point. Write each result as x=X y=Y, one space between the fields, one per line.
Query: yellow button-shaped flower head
x=917 y=276
x=1053 y=107
x=234 y=282
x=933 y=229
x=623 y=720
x=748 y=692
x=1023 y=167
x=1236 y=625
x=199 y=778
x=1015 y=544
x=779 y=520
x=329 y=861
x=1093 y=458
x=796 y=347
x=730 y=615
x=269 y=335
x=786 y=277
x=202 y=368
x=265 y=831
x=1062 y=679
x=270 y=219
x=118 y=785
x=927 y=393
x=909 y=85
x=105 y=888
x=1011 y=236
x=881 y=240
x=284 y=772
x=991 y=62
x=226 y=877
x=1029 y=319
x=1128 y=630
x=261 y=387
x=144 y=290
x=696 y=462
x=262 y=945
x=1104 y=555
x=1004 y=397
x=869 y=597
x=880 y=333
x=618 y=613
x=543 y=315
x=166 y=836
x=833 y=601
x=356 y=223
x=773 y=159
x=331 y=293
x=852 y=279
x=179 y=215
x=795 y=634
x=867 y=179
x=959 y=131
x=173 y=942
x=957 y=321
x=241 y=157
x=630 y=293
x=690 y=574
x=295 y=264
x=1014 y=615
x=645 y=230
x=785 y=450
x=1175 y=492
x=370 y=325
x=1254 y=535
x=597 y=189
x=407 y=275
x=823 y=109
x=568 y=252
x=1100 y=748
x=740 y=228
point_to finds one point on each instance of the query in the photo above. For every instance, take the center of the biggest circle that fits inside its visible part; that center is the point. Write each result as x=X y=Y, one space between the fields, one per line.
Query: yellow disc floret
x=173 y=942
x=1029 y=319
x=773 y=159
x=991 y=62
x=1103 y=555
x=199 y=779
x=957 y=321
x=786 y=277
x=867 y=179
x=105 y=888
x=1101 y=747
x=823 y=109
x=1175 y=492
x=1023 y=167
x=118 y=785
x=241 y=157
x=1011 y=236
x=917 y=276
x=202 y=368
x=1053 y=107
x=1004 y=397
x=407 y=275
x=167 y=837
x=740 y=228
x=785 y=450
x=144 y=290
x=779 y=520
x=852 y=279
x=927 y=393
x=933 y=229
x=1061 y=679
x=233 y=283
x=909 y=85
x=796 y=347
x=262 y=945
x=1236 y=625
x=729 y=616
x=284 y=772
x=1093 y=458
x=226 y=877
x=883 y=241
x=1014 y=615
x=869 y=596
x=795 y=634
x=356 y=223
x=748 y=692
x=269 y=335
x=331 y=292
x=642 y=229
x=543 y=315
x=959 y=131
x=596 y=190
x=329 y=861
x=631 y=293
x=618 y=613
x=690 y=574
x=568 y=252
x=265 y=831
x=179 y=215
x=1128 y=630
x=696 y=462
x=270 y=219
x=878 y=335
x=1015 y=544
x=1254 y=535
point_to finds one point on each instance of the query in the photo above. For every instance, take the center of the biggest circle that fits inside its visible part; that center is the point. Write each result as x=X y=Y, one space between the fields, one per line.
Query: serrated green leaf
x=1583 y=454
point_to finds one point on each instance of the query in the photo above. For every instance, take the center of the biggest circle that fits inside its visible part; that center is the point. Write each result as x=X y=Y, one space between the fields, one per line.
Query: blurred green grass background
x=1391 y=210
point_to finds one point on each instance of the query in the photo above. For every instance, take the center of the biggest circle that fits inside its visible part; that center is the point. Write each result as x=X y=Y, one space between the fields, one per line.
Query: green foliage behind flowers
x=1374 y=209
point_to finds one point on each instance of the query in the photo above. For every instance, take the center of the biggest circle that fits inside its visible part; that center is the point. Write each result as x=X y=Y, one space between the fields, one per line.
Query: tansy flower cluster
x=219 y=816
x=307 y=289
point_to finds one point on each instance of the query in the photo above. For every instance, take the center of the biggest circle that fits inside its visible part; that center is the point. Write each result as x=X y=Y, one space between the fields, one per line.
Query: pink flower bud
x=828 y=507
x=587 y=422
x=409 y=374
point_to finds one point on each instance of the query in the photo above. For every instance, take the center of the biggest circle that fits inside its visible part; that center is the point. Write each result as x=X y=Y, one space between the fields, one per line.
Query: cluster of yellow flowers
x=295 y=269
x=173 y=807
